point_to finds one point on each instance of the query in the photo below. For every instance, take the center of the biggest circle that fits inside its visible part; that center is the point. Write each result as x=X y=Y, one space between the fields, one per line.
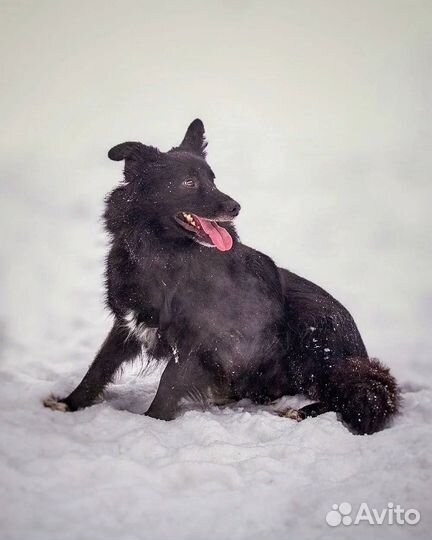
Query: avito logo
x=390 y=515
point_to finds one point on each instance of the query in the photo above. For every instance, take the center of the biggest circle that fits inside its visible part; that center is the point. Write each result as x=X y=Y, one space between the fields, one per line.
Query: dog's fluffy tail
x=364 y=392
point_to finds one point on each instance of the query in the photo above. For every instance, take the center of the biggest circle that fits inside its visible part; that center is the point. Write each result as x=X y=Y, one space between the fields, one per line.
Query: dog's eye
x=190 y=183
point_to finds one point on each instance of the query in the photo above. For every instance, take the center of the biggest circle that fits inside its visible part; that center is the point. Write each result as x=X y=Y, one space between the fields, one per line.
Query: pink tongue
x=220 y=237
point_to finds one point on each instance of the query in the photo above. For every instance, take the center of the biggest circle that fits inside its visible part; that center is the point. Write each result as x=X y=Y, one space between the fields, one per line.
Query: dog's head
x=172 y=193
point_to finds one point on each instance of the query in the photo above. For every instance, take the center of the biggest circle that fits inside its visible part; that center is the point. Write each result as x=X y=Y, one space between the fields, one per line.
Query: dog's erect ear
x=194 y=141
x=132 y=150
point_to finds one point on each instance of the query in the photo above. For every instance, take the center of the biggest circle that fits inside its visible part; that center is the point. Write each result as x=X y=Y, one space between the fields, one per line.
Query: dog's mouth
x=207 y=231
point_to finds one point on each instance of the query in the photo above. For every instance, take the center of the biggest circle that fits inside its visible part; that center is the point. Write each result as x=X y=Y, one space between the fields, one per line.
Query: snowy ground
x=331 y=143
x=107 y=473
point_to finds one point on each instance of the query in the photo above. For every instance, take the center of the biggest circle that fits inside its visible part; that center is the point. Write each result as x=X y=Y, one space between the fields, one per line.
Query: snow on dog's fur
x=231 y=323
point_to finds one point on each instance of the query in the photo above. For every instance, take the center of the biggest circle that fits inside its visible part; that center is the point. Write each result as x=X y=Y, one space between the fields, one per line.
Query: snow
x=239 y=473
x=331 y=151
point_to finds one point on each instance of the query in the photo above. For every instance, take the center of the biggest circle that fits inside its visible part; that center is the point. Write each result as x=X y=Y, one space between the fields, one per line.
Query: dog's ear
x=194 y=141
x=132 y=150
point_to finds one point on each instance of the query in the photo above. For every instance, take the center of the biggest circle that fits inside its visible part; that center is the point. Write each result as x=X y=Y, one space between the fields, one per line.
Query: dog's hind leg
x=292 y=414
x=314 y=409
x=118 y=347
x=308 y=411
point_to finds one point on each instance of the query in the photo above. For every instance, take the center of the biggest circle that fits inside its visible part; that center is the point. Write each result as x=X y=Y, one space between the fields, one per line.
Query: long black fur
x=231 y=324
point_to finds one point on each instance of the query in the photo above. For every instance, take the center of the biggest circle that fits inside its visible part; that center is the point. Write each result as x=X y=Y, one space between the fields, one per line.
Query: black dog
x=230 y=323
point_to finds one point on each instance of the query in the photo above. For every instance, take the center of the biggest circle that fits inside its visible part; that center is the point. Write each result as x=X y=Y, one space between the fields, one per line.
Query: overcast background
x=318 y=116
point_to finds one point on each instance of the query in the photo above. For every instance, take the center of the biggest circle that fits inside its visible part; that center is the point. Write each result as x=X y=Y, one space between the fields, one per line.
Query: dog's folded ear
x=124 y=150
x=132 y=150
x=194 y=141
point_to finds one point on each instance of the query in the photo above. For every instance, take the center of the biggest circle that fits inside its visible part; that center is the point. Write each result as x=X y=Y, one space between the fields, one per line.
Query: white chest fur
x=147 y=335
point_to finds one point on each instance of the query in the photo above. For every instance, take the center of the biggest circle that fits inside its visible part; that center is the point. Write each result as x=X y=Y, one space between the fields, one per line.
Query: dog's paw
x=55 y=405
x=293 y=414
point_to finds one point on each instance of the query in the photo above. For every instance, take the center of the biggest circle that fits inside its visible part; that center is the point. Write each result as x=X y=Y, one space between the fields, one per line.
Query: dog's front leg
x=180 y=379
x=118 y=347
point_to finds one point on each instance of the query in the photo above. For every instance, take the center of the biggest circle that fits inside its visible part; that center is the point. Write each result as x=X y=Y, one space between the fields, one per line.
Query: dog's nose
x=232 y=208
